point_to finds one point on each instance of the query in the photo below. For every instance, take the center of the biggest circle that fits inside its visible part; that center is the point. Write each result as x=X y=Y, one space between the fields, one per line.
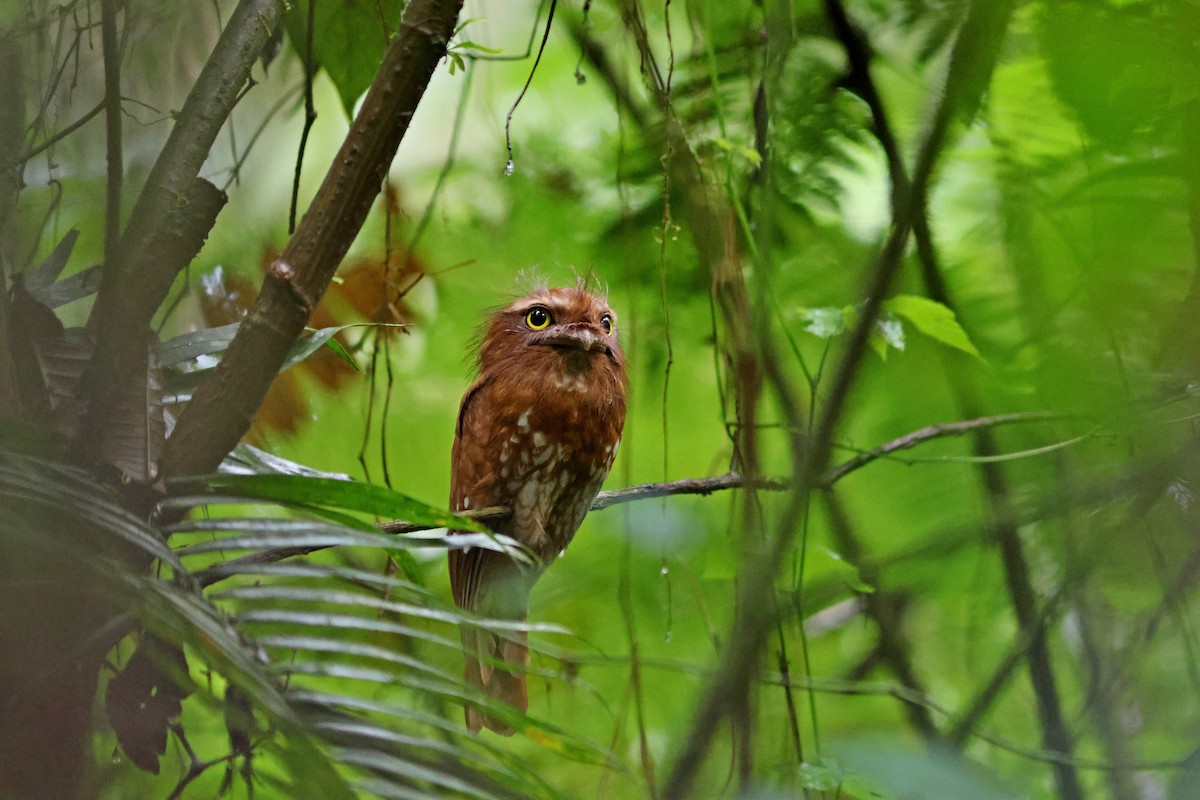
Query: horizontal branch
x=927 y=434
x=648 y=491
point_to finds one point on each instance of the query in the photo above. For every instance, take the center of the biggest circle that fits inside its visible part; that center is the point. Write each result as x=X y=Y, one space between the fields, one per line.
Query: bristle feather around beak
x=577 y=338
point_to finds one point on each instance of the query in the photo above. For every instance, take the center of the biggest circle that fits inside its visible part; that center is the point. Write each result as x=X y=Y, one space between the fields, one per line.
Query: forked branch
x=221 y=410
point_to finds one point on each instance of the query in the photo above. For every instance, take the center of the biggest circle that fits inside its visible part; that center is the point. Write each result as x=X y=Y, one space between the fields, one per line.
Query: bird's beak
x=578 y=338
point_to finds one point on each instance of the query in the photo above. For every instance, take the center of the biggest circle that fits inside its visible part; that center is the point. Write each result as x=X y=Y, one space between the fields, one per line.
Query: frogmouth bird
x=537 y=432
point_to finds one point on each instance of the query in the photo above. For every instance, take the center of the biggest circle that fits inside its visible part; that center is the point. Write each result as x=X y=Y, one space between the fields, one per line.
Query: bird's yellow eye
x=606 y=324
x=538 y=319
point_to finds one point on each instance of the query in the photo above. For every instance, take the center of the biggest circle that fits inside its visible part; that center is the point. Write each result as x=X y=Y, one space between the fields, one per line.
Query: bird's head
x=563 y=329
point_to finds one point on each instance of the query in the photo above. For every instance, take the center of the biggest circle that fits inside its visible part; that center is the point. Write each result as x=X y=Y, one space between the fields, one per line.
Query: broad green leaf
x=349 y=38
x=1082 y=41
x=451 y=729
x=346 y=622
x=309 y=594
x=932 y=319
x=341 y=495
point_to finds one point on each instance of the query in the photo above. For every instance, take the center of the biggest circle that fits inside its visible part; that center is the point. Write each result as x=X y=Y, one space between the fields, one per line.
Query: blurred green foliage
x=1065 y=216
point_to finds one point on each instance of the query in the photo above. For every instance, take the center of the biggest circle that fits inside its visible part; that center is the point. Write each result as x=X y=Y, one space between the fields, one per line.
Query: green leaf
x=889 y=332
x=180 y=383
x=341 y=622
x=932 y=319
x=192 y=345
x=37 y=492
x=452 y=616
x=343 y=353
x=824 y=322
x=345 y=495
x=82 y=284
x=49 y=270
x=847 y=571
x=479 y=47
x=349 y=38
x=248 y=459
x=460 y=27
x=305 y=347
x=748 y=153
x=823 y=776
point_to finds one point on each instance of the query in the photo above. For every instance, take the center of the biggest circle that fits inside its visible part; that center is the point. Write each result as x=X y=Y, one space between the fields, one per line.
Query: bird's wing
x=472 y=484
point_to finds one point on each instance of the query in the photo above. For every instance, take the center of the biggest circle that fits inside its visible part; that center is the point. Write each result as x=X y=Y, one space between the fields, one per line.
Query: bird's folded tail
x=496 y=665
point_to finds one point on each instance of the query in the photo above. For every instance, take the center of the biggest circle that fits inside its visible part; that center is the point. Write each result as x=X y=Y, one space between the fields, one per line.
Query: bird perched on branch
x=537 y=432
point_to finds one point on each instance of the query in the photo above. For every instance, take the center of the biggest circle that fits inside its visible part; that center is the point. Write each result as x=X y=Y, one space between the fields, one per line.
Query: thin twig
x=196 y=768
x=508 y=168
x=929 y=433
x=64 y=133
x=112 y=118
x=310 y=111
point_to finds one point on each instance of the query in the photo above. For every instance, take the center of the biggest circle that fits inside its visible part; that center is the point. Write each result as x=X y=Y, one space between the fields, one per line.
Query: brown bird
x=538 y=433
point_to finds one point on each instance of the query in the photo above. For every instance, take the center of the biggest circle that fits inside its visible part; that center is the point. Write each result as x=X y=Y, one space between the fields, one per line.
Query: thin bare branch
x=112 y=119
x=928 y=434
x=60 y=135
